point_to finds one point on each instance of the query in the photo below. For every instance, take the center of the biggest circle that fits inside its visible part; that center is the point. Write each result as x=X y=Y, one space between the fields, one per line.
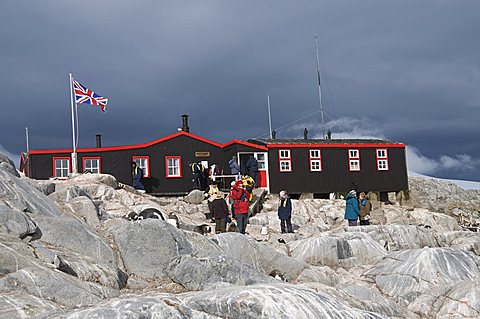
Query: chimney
x=185 y=127
x=98 y=138
x=274 y=134
x=305 y=134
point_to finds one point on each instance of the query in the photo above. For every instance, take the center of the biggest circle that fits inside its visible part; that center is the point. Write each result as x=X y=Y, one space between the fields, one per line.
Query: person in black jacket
x=252 y=169
x=137 y=175
x=285 y=213
x=219 y=209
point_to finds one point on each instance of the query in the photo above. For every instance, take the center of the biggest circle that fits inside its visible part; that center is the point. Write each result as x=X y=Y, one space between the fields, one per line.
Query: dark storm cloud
x=405 y=70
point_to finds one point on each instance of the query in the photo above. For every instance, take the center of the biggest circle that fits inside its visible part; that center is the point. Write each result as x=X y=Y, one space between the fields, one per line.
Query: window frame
x=176 y=157
x=315 y=159
x=91 y=158
x=382 y=159
x=54 y=167
x=146 y=172
x=284 y=157
x=354 y=157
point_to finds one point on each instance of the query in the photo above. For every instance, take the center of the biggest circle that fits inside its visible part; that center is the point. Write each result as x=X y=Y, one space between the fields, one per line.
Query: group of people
x=357 y=208
x=239 y=199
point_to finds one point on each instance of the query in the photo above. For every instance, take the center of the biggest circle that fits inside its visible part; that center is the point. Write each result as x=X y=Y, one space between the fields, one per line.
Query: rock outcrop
x=67 y=252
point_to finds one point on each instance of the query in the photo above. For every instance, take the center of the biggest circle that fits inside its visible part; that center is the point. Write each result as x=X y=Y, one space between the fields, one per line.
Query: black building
x=296 y=165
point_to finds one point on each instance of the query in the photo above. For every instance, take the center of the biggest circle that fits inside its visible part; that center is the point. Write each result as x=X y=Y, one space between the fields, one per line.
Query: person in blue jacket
x=234 y=168
x=351 y=208
x=285 y=213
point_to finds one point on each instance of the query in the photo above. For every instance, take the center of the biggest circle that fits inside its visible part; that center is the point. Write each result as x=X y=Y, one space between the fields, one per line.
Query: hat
x=353 y=192
x=283 y=193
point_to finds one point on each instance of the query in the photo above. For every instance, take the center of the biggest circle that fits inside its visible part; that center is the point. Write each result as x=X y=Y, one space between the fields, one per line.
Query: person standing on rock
x=351 y=208
x=137 y=174
x=365 y=208
x=285 y=213
x=240 y=201
x=218 y=208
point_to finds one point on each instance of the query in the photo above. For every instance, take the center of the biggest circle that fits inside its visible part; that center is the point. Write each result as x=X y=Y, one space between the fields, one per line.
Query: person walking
x=137 y=175
x=351 y=208
x=285 y=213
x=365 y=208
x=241 y=204
x=218 y=208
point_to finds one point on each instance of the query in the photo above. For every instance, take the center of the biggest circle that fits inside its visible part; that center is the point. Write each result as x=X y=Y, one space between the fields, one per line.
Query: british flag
x=84 y=95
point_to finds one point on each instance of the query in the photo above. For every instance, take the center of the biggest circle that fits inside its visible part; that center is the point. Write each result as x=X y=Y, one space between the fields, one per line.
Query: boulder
x=399 y=237
x=7 y=165
x=248 y=302
x=75 y=235
x=22 y=196
x=84 y=208
x=16 y=223
x=82 y=267
x=407 y=274
x=21 y=305
x=14 y=255
x=148 y=246
x=197 y=271
x=106 y=179
x=333 y=249
x=194 y=197
x=262 y=257
x=56 y=286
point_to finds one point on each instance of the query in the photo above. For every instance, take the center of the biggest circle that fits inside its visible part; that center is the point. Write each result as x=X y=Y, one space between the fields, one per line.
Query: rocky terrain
x=66 y=252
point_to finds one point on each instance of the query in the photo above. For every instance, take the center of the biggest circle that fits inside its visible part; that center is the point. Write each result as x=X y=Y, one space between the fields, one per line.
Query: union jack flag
x=84 y=95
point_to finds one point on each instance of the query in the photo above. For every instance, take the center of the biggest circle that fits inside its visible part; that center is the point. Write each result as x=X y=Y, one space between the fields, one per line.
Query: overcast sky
x=408 y=71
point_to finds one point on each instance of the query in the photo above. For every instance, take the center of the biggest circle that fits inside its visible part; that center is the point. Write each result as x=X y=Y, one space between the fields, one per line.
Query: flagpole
x=319 y=87
x=269 y=116
x=74 y=154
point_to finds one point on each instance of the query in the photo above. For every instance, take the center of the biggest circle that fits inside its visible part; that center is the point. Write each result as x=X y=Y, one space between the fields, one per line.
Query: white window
x=173 y=166
x=354 y=165
x=61 y=167
x=353 y=160
x=91 y=165
x=315 y=161
x=382 y=165
x=382 y=159
x=144 y=163
x=261 y=161
x=382 y=153
x=353 y=154
x=284 y=154
x=285 y=160
x=285 y=166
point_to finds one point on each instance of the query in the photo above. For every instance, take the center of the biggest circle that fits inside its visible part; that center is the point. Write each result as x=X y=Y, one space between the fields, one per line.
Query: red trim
x=353 y=158
x=319 y=158
x=345 y=145
x=263 y=148
x=179 y=166
x=148 y=174
x=92 y=158
x=382 y=159
x=54 y=167
x=127 y=147
x=284 y=159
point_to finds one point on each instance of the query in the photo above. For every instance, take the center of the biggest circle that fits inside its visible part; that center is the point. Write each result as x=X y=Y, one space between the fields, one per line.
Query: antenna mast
x=319 y=87
x=269 y=116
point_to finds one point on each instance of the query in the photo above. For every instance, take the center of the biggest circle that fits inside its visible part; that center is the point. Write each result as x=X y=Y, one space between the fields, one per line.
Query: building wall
x=335 y=175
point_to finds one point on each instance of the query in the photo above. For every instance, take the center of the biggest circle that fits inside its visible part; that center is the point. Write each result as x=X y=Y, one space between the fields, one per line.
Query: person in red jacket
x=240 y=198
